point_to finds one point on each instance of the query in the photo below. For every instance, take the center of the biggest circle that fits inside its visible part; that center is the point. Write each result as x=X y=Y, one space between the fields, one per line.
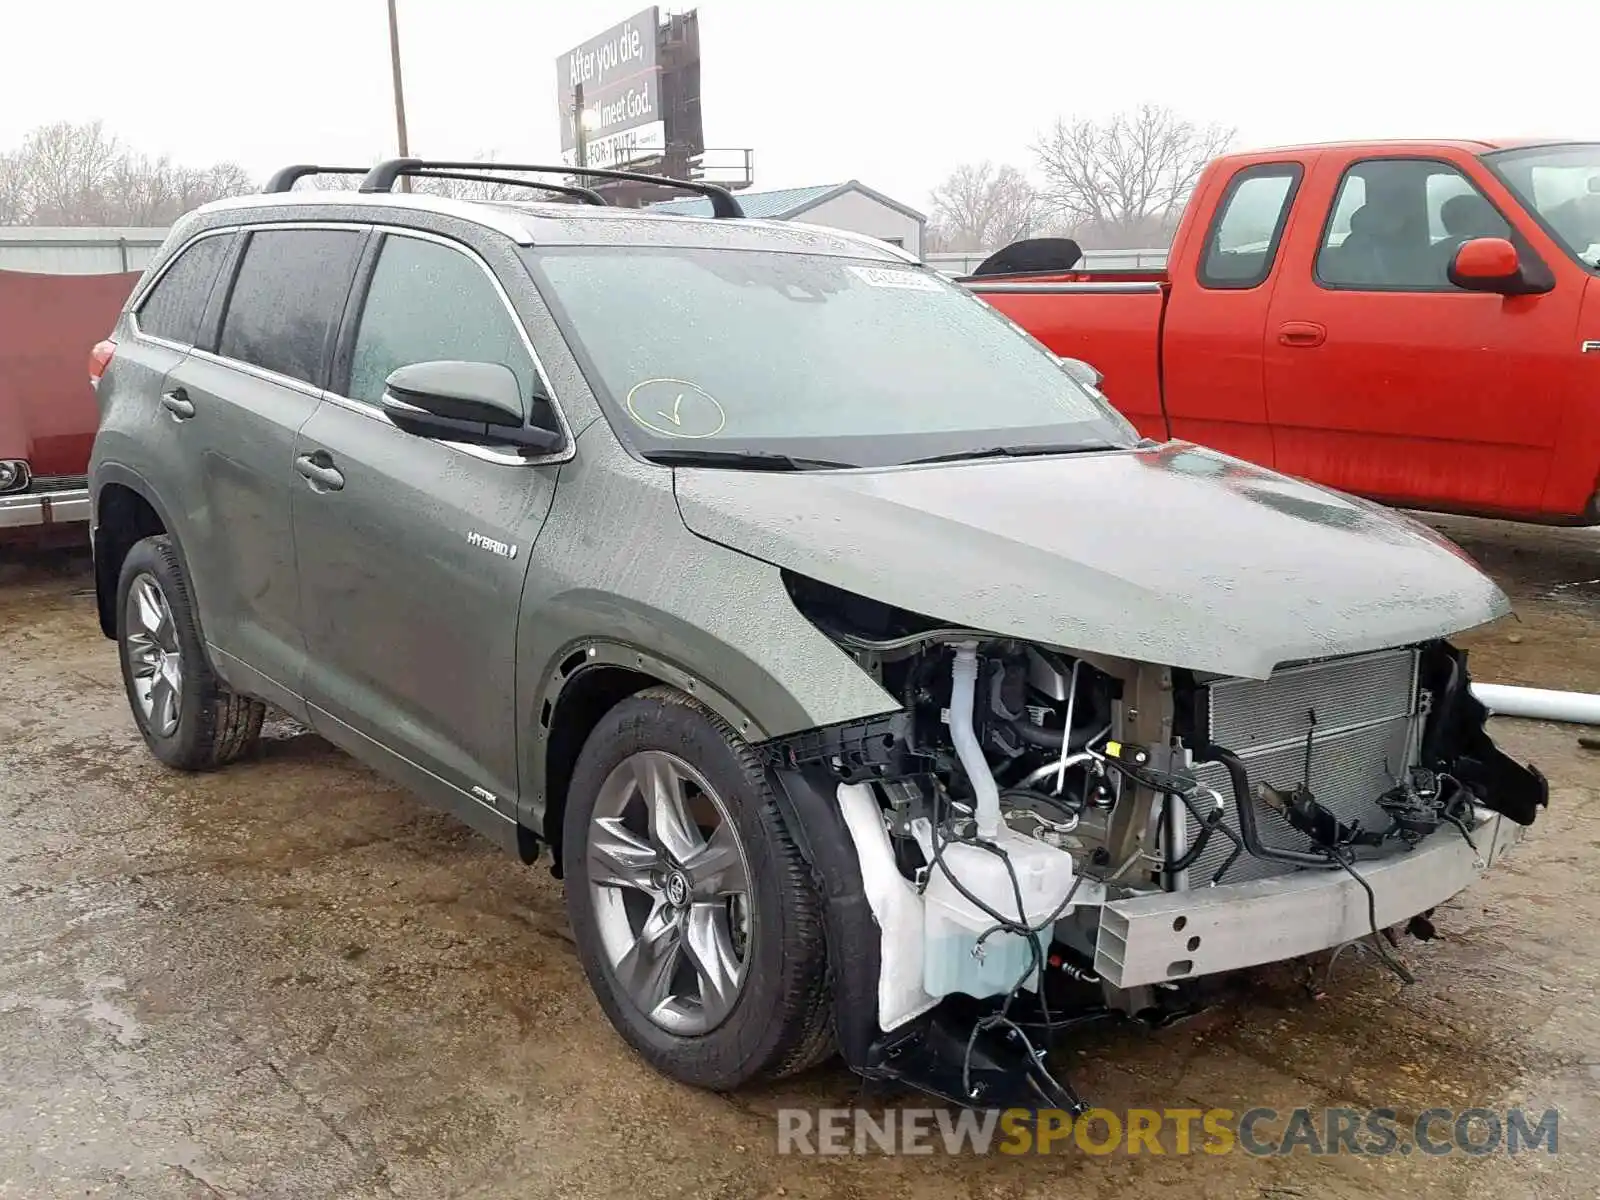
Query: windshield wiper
x=750 y=460
x=1022 y=451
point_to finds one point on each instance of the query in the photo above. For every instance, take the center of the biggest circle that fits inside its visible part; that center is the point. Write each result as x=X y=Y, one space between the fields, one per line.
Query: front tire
x=695 y=915
x=187 y=717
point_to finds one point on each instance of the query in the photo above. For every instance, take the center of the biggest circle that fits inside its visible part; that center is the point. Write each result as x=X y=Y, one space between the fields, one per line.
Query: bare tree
x=66 y=174
x=13 y=201
x=983 y=207
x=67 y=167
x=1122 y=182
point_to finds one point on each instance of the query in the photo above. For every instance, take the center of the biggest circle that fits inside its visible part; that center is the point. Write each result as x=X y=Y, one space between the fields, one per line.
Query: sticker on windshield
x=895 y=277
x=675 y=408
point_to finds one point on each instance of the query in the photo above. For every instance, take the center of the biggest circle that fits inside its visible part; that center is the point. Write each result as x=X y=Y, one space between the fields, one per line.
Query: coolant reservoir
x=952 y=960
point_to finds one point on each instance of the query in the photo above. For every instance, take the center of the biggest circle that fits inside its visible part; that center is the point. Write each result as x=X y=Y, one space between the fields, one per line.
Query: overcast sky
x=891 y=93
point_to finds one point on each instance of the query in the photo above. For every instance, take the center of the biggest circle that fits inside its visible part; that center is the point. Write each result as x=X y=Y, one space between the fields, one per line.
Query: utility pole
x=399 y=93
x=580 y=135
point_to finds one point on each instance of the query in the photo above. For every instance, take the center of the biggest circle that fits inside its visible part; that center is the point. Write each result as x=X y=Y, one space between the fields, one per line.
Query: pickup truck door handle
x=177 y=403
x=1302 y=333
x=319 y=471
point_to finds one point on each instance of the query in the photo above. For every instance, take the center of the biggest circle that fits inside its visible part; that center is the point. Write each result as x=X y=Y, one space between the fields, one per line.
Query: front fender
x=759 y=699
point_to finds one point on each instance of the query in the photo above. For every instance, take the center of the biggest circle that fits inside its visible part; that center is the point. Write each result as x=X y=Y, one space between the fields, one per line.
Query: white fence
x=46 y=250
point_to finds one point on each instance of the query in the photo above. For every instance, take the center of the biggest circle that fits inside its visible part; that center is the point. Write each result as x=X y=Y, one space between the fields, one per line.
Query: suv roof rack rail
x=382 y=178
x=586 y=195
x=284 y=180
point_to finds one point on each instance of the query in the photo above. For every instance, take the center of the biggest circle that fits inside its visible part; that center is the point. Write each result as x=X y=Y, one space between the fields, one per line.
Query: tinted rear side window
x=287 y=299
x=175 y=305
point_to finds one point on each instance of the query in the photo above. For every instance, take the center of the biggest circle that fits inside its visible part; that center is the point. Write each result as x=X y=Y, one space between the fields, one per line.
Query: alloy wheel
x=670 y=886
x=154 y=656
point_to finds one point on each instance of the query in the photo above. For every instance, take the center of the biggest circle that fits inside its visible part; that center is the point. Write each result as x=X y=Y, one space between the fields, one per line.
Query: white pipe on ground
x=1539 y=704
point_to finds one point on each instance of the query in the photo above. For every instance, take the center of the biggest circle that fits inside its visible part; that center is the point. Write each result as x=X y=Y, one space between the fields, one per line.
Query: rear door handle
x=177 y=403
x=322 y=475
x=1302 y=333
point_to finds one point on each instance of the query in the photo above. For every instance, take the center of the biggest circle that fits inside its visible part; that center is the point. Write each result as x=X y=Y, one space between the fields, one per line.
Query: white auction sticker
x=893 y=277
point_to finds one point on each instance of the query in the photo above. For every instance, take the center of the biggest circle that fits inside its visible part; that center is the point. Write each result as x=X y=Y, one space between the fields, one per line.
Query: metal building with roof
x=851 y=206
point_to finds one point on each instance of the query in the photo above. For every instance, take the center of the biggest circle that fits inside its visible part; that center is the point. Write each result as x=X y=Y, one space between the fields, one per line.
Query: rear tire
x=187 y=716
x=633 y=874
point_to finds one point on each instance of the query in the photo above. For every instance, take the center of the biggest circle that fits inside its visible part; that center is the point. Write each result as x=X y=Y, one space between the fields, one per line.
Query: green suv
x=872 y=686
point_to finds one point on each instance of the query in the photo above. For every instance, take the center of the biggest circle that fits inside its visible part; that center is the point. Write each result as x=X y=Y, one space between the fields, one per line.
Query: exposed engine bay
x=1001 y=850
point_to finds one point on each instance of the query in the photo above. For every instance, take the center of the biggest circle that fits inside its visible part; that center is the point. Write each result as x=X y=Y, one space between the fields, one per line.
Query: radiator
x=1362 y=742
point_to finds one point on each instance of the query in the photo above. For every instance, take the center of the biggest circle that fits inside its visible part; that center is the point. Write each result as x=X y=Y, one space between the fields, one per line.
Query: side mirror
x=474 y=402
x=1081 y=371
x=1492 y=264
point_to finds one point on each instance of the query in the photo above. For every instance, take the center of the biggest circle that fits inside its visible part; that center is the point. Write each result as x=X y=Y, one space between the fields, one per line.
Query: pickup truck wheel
x=694 y=914
x=187 y=717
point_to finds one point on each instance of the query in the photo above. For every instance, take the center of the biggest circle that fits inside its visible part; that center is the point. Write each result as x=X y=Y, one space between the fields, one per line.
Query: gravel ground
x=289 y=979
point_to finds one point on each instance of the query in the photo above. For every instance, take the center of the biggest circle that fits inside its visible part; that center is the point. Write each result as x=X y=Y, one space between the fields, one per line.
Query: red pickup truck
x=47 y=409
x=1414 y=322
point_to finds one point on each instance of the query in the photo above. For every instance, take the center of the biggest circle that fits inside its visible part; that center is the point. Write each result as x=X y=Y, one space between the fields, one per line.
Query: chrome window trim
x=262 y=373
x=483 y=453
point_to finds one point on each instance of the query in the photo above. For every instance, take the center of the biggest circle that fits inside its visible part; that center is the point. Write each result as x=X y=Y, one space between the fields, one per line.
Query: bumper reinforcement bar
x=1172 y=936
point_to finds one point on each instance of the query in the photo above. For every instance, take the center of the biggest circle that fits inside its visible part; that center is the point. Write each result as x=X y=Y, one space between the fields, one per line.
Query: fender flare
x=584 y=653
x=105 y=574
x=589 y=653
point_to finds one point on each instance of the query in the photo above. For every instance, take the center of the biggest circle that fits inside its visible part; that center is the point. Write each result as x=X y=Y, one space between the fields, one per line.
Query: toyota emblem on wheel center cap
x=677 y=890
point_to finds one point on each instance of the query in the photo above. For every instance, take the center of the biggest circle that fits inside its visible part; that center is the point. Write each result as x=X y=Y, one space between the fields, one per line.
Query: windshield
x=819 y=359
x=1560 y=185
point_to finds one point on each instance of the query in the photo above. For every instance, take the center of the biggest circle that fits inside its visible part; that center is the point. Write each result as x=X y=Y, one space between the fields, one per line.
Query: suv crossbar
x=382 y=178
x=586 y=195
x=284 y=180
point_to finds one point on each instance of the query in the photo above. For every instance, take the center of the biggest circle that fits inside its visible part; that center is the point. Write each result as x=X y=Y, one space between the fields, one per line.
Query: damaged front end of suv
x=1059 y=721
x=1039 y=837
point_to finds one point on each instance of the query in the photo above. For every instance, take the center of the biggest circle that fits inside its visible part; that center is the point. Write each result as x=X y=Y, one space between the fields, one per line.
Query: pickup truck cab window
x=1560 y=188
x=1243 y=241
x=1397 y=222
x=464 y=318
x=174 y=305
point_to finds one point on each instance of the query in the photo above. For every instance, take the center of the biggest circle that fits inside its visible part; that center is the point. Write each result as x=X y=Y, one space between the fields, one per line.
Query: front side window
x=1560 y=186
x=856 y=362
x=1397 y=223
x=287 y=299
x=174 y=306
x=1244 y=238
x=428 y=302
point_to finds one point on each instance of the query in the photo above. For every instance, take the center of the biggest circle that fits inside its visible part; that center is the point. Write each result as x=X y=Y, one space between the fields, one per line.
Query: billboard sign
x=618 y=77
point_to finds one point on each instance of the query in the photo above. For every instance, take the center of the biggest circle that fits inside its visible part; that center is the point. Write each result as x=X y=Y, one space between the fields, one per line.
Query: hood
x=1173 y=554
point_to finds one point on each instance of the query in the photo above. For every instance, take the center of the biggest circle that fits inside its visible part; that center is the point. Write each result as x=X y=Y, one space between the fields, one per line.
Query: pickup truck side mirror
x=1492 y=264
x=477 y=403
x=1081 y=371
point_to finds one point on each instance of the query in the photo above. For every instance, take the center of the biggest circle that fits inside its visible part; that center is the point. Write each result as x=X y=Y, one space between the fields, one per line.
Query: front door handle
x=177 y=403
x=1302 y=333
x=322 y=475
